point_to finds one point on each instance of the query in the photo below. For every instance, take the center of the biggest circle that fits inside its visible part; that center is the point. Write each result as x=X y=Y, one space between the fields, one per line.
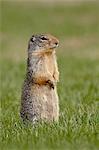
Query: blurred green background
x=76 y=25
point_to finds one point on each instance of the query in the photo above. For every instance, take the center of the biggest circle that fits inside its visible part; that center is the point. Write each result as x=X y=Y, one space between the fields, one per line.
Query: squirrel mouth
x=54 y=46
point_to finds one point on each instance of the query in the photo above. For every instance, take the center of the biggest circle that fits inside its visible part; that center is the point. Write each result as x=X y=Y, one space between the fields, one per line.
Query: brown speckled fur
x=39 y=100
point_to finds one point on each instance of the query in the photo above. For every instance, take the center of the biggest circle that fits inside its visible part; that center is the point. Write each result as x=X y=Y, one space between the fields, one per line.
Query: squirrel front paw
x=51 y=84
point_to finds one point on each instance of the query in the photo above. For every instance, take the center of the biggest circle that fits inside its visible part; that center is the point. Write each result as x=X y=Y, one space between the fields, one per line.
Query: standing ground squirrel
x=39 y=99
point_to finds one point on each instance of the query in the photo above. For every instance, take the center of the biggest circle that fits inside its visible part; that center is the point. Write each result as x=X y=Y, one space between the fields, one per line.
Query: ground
x=77 y=27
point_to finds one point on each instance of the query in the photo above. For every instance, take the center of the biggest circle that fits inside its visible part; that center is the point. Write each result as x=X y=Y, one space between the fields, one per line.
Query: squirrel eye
x=44 y=38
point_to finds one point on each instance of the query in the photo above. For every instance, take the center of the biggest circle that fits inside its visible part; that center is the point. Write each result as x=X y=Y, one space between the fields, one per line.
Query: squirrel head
x=42 y=43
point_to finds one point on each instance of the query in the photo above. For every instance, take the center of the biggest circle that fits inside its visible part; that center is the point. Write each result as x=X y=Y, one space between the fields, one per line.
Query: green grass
x=77 y=27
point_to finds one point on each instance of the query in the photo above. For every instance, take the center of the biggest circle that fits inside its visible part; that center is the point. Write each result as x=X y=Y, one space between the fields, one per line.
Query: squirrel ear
x=32 y=39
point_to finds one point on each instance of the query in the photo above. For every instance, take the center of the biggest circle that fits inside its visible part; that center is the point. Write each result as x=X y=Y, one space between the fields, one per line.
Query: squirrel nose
x=56 y=43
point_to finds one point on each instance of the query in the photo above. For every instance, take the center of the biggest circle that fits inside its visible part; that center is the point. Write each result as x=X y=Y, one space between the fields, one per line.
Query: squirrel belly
x=46 y=101
x=40 y=103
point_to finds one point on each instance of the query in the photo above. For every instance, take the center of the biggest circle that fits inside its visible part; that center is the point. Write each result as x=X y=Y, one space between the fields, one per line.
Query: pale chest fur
x=49 y=62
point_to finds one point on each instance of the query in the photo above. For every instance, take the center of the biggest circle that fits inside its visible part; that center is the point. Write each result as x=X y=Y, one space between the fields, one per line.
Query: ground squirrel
x=39 y=99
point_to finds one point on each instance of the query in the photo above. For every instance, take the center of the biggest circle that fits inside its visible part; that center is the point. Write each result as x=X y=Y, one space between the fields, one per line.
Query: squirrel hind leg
x=29 y=118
